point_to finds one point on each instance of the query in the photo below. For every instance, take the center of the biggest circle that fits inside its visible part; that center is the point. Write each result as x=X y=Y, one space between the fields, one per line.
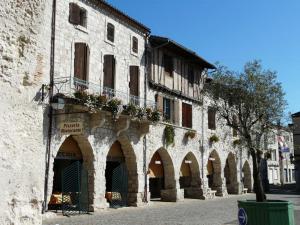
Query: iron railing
x=68 y=86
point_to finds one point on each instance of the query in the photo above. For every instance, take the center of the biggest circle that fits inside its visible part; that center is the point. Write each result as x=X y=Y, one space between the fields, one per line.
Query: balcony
x=68 y=86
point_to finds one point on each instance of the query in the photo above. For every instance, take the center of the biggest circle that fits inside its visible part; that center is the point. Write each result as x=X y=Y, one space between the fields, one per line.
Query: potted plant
x=130 y=110
x=190 y=134
x=255 y=97
x=113 y=106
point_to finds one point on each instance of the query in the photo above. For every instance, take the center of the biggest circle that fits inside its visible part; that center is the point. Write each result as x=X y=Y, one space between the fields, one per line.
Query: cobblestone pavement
x=219 y=211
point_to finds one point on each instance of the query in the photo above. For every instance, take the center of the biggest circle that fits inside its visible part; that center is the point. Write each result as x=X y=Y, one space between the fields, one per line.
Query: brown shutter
x=87 y=62
x=211 y=119
x=176 y=112
x=160 y=103
x=74 y=14
x=109 y=71
x=80 y=61
x=189 y=118
x=134 y=80
x=187 y=115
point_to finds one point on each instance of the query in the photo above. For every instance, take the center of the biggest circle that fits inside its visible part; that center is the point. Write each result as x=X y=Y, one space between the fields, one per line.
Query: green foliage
x=190 y=134
x=213 y=139
x=153 y=115
x=113 y=106
x=256 y=98
x=82 y=96
x=131 y=110
x=169 y=134
x=267 y=155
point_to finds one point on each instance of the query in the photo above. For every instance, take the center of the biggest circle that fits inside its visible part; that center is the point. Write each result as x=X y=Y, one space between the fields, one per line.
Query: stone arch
x=190 y=179
x=162 y=161
x=230 y=174
x=214 y=172
x=75 y=148
x=129 y=156
x=247 y=181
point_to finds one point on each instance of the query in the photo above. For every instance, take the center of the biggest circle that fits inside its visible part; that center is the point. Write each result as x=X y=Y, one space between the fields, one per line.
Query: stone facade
x=296 y=134
x=25 y=65
x=280 y=169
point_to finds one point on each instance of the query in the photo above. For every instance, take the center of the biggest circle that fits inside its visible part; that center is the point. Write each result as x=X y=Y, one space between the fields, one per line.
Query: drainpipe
x=145 y=137
x=50 y=114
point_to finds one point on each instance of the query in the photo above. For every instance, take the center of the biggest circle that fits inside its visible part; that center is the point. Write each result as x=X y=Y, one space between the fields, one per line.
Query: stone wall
x=24 y=67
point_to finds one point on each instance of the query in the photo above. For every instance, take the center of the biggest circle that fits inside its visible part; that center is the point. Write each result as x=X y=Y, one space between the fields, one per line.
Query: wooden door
x=134 y=80
x=109 y=71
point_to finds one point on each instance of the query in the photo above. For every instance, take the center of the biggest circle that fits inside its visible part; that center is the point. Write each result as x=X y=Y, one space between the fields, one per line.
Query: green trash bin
x=271 y=212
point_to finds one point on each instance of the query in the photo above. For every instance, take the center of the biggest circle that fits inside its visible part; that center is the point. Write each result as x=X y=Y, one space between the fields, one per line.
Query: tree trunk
x=258 y=187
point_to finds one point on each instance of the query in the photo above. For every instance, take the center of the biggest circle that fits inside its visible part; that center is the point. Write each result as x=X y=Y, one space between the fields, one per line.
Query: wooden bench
x=245 y=190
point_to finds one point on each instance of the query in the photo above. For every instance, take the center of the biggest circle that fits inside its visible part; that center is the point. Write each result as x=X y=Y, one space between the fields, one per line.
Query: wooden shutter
x=187 y=115
x=81 y=61
x=160 y=102
x=109 y=71
x=211 y=119
x=134 y=80
x=176 y=111
x=74 y=14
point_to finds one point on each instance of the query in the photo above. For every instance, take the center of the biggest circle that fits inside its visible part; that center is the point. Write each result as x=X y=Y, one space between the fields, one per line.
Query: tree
x=250 y=102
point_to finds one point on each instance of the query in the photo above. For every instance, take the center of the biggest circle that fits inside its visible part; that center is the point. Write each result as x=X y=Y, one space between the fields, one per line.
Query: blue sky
x=231 y=32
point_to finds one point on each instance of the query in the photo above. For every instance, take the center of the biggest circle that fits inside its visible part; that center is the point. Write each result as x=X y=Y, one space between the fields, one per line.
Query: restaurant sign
x=75 y=128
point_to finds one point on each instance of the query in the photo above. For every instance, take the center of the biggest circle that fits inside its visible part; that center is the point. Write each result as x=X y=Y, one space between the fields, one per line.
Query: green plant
x=82 y=96
x=213 y=139
x=267 y=155
x=236 y=142
x=141 y=113
x=169 y=134
x=190 y=134
x=130 y=110
x=153 y=115
x=113 y=106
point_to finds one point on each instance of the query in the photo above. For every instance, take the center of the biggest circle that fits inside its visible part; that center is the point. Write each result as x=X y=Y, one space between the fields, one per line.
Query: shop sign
x=74 y=128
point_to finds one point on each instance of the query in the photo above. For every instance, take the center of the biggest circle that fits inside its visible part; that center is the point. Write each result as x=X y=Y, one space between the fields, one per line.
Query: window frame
x=211 y=112
x=186 y=122
x=191 y=75
x=134 y=40
x=169 y=118
x=168 y=64
x=77 y=15
x=110 y=25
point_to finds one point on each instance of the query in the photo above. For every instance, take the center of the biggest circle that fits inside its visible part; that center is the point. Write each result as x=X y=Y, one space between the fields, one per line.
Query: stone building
x=95 y=118
x=296 y=134
x=280 y=146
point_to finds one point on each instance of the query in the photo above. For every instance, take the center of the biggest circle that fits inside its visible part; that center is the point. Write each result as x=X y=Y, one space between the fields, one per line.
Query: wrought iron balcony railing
x=68 y=86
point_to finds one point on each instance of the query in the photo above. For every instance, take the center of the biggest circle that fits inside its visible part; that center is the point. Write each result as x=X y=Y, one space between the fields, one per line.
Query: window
x=234 y=131
x=109 y=71
x=187 y=115
x=135 y=45
x=273 y=155
x=168 y=64
x=81 y=63
x=191 y=75
x=276 y=174
x=110 y=34
x=211 y=118
x=167 y=109
x=77 y=15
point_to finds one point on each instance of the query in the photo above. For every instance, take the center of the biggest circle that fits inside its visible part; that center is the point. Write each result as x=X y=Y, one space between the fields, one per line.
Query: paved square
x=219 y=211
